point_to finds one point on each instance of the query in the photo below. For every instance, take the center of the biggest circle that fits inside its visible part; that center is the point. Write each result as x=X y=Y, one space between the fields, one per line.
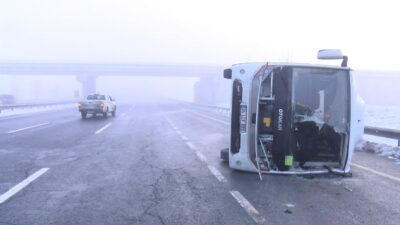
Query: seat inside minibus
x=315 y=144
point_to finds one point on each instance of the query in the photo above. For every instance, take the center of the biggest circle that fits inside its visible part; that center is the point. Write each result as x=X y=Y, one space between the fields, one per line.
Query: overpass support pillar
x=211 y=90
x=88 y=84
x=203 y=92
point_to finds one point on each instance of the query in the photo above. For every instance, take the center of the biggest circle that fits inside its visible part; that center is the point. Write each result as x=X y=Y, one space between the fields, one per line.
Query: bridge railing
x=33 y=105
x=369 y=130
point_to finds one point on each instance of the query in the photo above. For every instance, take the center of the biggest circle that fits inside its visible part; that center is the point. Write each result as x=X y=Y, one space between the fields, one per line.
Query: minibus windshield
x=321 y=95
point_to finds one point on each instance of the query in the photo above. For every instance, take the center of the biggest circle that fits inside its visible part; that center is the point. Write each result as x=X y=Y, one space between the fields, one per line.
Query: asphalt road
x=158 y=163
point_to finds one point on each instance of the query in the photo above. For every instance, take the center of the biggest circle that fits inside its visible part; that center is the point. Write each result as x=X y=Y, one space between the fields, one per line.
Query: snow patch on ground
x=391 y=152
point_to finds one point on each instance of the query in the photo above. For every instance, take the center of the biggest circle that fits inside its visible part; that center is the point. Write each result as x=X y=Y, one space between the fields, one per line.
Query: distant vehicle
x=293 y=118
x=7 y=100
x=97 y=104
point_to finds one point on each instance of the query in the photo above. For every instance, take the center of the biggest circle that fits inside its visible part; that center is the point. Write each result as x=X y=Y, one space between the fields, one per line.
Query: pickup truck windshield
x=96 y=97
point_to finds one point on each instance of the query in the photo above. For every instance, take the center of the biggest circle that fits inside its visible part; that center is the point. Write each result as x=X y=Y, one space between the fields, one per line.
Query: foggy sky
x=188 y=32
x=199 y=32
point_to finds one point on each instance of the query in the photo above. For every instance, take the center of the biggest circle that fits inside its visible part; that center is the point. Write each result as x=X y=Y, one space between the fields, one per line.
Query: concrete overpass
x=87 y=73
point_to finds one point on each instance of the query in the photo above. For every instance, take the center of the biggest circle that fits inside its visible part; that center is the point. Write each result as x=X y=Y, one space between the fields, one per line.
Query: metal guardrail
x=24 y=106
x=383 y=132
x=375 y=131
x=219 y=109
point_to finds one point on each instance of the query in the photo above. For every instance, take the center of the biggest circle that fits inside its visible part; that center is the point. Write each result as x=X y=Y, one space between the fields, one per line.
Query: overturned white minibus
x=293 y=118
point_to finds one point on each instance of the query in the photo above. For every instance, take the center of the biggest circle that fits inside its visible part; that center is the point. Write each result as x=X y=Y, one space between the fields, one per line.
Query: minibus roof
x=293 y=64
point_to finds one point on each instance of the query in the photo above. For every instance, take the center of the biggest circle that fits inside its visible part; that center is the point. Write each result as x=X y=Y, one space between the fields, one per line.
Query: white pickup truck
x=97 y=103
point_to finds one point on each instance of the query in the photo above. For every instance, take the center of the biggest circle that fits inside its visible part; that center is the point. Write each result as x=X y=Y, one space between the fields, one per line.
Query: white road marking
x=347 y=188
x=103 y=128
x=376 y=172
x=168 y=121
x=211 y=118
x=201 y=156
x=173 y=112
x=4 y=197
x=184 y=138
x=289 y=205
x=217 y=174
x=246 y=205
x=172 y=125
x=14 y=117
x=191 y=146
x=26 y=128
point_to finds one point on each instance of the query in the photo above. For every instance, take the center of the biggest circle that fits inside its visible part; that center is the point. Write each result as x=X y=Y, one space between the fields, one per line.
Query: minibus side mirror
x=332 y=54
x=228 y=73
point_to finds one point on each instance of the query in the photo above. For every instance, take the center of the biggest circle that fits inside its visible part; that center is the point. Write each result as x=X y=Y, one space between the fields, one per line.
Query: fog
x=191 y=33
x=38 y=89
x=134 y=89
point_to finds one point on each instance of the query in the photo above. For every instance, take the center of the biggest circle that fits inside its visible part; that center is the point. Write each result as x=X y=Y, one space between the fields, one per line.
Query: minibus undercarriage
x=295 y=127
x=290 y=118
